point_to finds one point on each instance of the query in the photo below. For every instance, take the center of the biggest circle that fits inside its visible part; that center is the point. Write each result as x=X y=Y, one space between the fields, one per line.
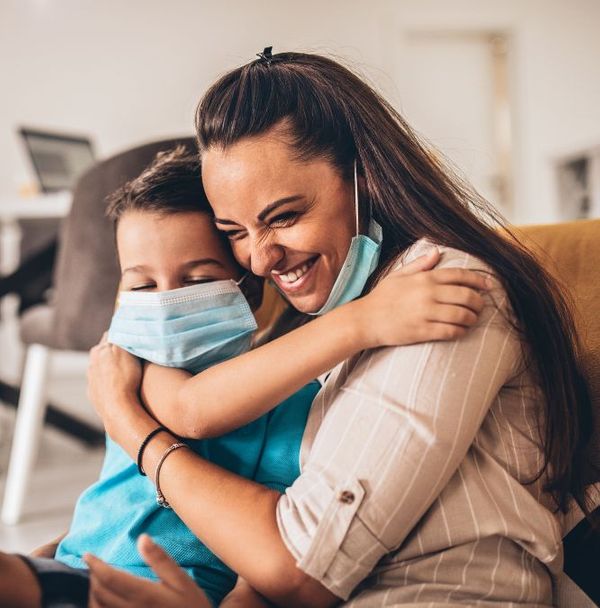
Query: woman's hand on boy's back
x=420 y=303
x=110 y=587
x=49 y=549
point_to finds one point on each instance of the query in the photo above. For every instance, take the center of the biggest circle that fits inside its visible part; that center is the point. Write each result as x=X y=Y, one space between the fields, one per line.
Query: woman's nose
x=265 y=254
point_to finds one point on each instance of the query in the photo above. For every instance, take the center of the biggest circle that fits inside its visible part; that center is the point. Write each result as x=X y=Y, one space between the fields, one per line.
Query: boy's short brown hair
x=170 y=184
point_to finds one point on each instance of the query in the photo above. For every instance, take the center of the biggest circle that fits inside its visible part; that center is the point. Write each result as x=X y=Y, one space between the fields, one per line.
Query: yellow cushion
x=571 y=251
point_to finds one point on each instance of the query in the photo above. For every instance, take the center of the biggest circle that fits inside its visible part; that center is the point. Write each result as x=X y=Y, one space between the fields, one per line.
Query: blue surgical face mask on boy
x=189 y=328
x=360 y=263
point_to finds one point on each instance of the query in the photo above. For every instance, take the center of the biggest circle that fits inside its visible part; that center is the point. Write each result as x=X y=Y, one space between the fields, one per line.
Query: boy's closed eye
x=184 y=282
x=196 y=280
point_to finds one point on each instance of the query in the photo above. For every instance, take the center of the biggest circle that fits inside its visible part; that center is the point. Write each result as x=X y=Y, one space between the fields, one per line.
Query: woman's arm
x=247 y=537
x=244 y=596
x=434 y=305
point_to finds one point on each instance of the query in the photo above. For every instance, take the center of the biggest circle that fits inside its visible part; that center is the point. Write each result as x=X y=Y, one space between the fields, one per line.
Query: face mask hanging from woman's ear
x=360 y=263
x=190 y=328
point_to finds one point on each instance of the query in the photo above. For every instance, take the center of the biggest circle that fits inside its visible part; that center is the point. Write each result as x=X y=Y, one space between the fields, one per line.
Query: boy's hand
x=420 y=304
x=114 y=375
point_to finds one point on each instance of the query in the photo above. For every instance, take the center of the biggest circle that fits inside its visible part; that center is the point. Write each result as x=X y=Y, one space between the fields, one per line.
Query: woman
x=432 y=474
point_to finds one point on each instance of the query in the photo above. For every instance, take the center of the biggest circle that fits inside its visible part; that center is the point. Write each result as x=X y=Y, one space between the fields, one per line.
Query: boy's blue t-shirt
x=121 y=505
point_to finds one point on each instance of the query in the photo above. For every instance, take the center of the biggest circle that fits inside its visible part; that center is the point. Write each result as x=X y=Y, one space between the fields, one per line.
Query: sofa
x=571 y=251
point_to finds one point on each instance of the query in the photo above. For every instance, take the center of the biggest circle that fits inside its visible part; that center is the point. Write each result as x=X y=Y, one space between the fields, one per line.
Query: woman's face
x=288 y=220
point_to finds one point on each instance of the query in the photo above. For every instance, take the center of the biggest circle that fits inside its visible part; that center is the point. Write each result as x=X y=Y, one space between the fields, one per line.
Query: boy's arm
x=406 y=307
x=235 y=392
x=244 y=596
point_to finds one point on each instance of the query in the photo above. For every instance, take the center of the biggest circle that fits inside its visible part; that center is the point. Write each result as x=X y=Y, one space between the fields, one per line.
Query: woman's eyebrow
x=266 y=211
x=278 y=203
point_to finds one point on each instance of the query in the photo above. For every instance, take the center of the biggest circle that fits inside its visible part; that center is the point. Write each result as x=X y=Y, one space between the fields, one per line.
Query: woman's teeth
x=293 y=275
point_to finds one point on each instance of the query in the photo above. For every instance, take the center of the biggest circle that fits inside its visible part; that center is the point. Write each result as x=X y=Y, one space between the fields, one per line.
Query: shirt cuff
x=321 y=527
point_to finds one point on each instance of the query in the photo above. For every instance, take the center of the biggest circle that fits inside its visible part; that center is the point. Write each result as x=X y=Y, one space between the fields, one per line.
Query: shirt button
x=346 y=497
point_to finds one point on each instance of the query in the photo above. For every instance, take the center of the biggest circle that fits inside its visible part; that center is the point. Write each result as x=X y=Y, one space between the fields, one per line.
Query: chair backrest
x=87 y=272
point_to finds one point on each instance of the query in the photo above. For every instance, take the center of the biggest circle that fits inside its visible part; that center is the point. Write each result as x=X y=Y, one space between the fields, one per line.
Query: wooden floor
x=63 y=467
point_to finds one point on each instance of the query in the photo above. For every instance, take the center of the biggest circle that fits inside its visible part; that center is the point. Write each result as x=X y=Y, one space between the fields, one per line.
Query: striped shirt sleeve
x=396 y=424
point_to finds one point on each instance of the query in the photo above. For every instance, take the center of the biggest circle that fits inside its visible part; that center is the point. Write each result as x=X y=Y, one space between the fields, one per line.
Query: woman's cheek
x=300 y=237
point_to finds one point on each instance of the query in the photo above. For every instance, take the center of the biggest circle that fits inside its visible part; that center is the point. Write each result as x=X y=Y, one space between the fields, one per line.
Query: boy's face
x=162 y=252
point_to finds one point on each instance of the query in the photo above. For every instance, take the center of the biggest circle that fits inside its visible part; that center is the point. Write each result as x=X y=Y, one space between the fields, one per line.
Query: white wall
x=131 y=71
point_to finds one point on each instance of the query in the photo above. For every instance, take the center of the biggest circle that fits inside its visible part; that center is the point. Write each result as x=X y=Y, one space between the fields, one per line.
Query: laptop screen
x=58 y=159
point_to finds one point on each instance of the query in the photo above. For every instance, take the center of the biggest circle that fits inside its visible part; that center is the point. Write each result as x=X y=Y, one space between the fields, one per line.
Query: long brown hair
x=331 y=113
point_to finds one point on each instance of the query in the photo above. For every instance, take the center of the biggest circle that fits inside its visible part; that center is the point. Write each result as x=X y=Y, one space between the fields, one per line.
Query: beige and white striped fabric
x=415 y=463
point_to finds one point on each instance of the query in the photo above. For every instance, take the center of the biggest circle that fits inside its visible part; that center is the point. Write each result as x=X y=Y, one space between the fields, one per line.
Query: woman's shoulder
x=450 y=257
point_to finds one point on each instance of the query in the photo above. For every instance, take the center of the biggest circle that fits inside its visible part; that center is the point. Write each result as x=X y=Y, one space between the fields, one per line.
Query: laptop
x=58 y=159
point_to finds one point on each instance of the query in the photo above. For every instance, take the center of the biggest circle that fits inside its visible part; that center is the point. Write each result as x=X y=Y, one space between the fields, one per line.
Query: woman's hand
x=112 y=588
x=114 y=378
x=418 y=303
x=49 y=549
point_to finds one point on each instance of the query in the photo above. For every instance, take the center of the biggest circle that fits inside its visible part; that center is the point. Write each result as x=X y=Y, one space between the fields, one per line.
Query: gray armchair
x=85 y=285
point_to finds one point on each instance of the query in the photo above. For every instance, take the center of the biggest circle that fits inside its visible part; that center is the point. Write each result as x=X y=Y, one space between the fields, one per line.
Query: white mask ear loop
x=356 y=198
x=238 y=283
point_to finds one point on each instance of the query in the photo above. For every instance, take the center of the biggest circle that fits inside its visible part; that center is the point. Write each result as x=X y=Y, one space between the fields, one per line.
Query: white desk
x=12 y=210
x=45 y=205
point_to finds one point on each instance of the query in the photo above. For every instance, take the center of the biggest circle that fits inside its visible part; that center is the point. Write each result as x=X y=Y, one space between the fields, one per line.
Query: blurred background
x=508 y=90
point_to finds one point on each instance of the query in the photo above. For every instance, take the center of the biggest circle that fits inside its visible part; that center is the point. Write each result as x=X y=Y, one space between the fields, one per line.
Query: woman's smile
x=298 y=278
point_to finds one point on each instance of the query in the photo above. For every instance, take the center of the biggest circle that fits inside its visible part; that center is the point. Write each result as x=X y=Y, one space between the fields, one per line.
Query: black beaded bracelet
x=143 y=446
